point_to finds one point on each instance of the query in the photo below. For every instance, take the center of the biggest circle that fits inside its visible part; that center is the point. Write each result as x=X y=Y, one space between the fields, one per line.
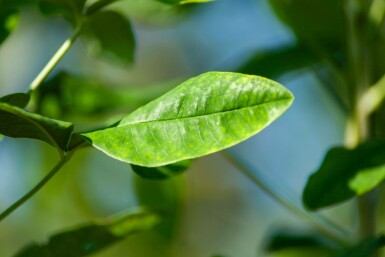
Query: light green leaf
x=18 y=99
x=93 y=237
x=203 y=115
x=347 y=173
x=15 y=122
x=112 y=36
x=162 y=172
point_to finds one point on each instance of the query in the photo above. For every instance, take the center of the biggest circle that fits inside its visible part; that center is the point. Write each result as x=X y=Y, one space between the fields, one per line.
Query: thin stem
x=326 y=227
x=35 y=189
x=54 y=61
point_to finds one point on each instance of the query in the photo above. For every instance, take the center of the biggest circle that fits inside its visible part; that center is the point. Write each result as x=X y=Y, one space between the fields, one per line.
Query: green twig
x=54 y=61
x=34 y=190
x=326 y=227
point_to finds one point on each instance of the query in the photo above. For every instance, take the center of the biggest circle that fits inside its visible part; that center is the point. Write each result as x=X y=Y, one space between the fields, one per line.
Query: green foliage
x=162 y=172
x=93 y=237
x=366 y=248
x=203 y=115
x=116 y=42
x=346 y=172
x=18 y=99
x=16 y=122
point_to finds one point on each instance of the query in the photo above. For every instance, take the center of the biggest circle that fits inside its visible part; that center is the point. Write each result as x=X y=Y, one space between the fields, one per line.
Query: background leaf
x=275 y=62
x=203 y=115
x=15 y=122
x=162 y=172
x=93 y=237
x=346 y=173
x=9 y=19
x=71 y=10
x=18 y=99
x=112 y=36
x=365 y=248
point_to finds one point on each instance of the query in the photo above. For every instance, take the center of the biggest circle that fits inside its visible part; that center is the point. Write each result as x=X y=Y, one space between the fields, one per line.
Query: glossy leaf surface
x=18 y=99
x=203 y=115
x=93 y=237
x=345 y=173
x=162 y=172
x=15 y=122
x=112 y=36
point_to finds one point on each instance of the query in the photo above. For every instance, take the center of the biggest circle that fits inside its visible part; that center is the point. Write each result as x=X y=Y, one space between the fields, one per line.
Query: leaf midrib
x=209 y=114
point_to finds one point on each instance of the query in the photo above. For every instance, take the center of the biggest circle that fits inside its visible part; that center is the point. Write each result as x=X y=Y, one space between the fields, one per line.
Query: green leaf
x=366 y=248
x=275 y=62
x=285 y=239
x=93 y=237
x=112 y=36
x=18 y=99
x=71 y=10
x=174 y=2
x=344 y=174
x=97 y=6
x=15 y=122
x=203 y=115
x=307 y=20
x=162 y=172
x=9 y=19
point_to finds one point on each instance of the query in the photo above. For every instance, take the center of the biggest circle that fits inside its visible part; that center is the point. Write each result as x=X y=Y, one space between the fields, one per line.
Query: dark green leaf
x=275 y=62
x=99 y=5
x=9 y=19
x=15 y=122
x=71 y=10
x=174 y=2
x=289 y=239
x=93 y=237
x=366 y=248
x=112 y=36
x=162 y=172
x=203 y=115
x=18 y=99
x=307 y=20
x=345 y=173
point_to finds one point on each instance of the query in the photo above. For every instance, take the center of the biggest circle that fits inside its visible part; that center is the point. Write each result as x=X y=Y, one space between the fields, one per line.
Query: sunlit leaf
x=344 y=174
x=112 y=36
x=162 y=172
x=93 y=237
x=15 y=122
x=366 y=248
x=203 y=115
x=275 y=62
x=71 y=10
x=18 y=99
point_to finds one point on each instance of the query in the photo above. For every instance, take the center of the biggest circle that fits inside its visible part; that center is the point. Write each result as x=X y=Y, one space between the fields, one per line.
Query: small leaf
x=112 y=36
x=18 y=99
x=97 y=6
x=275 y=62
x=9 y=19
x=203 y=115
x=345 y=173
x=15 y=122
x=71 y=10
x=366 y=248
x=91 y=238
x=162 y=172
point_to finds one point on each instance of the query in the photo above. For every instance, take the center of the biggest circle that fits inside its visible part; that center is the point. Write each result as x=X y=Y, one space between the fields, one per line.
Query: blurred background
x=217 y=209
